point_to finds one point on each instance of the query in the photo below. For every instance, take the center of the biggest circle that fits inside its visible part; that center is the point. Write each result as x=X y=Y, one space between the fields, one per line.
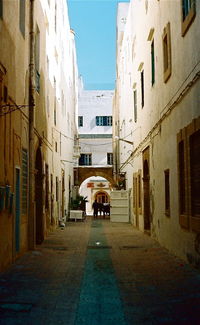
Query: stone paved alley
x=99 y=273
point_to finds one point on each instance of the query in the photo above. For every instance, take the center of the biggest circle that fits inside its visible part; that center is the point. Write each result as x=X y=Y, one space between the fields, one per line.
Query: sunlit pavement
x=98 y=272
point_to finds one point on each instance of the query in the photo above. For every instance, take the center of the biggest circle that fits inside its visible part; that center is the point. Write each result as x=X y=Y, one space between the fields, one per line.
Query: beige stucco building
x=156 y=109
x=38 y=118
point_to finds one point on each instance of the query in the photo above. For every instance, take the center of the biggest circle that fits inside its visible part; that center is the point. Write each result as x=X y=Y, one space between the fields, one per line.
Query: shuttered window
x=189 y=176
x=195 y=173
x=182 y=196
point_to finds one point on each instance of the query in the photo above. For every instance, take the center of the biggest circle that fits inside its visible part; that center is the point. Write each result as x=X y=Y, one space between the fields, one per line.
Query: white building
x=157 y=108
x=95 y=127
x=38 y=99
x=95 y=134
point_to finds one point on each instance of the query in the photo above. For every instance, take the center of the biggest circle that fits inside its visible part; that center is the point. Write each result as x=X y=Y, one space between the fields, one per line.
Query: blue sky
x=94 y=23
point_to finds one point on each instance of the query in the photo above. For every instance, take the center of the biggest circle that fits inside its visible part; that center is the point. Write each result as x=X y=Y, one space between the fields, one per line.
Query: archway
x=95 y=188
x=39 y=198
x=82 y=173
x=102 y=197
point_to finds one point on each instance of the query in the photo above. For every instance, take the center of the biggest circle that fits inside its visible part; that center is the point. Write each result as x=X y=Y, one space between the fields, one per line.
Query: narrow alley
x=99 y=272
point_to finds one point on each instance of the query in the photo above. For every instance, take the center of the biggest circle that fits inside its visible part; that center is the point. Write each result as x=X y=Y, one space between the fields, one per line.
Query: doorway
x=146 y=190
x=102 y=197
x=135 y=199
x=39 y=198
x=17 y=210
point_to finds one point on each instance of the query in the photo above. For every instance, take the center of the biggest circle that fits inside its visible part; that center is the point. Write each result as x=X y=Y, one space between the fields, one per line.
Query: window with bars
x=80 y=121
x=24 y=181
x=85 y=159
x=109 y=158
x=104 y=120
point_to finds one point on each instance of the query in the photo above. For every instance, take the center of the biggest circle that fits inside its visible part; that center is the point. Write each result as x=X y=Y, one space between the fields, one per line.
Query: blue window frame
x=104 y=120
x=85 y=159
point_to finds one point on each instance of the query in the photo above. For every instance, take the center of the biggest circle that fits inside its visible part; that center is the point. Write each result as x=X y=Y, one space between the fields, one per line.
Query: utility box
x=119 y=206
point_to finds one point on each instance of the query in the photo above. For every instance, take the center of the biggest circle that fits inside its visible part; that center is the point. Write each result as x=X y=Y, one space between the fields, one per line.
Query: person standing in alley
x=95 y=207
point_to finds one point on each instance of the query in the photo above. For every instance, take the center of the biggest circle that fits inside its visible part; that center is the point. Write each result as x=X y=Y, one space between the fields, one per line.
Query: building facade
x=38 y=117
x=95 y=127
x=157 y=108
x=95 y=140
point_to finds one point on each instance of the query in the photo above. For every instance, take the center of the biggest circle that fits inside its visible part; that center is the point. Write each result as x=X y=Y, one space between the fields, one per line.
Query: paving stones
x=99 y=273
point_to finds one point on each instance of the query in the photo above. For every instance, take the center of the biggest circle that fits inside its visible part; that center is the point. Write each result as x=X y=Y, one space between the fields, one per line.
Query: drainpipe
x=31 y=220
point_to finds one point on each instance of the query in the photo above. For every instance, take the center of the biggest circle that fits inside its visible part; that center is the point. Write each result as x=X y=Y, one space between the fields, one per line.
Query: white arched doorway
x=95 y=188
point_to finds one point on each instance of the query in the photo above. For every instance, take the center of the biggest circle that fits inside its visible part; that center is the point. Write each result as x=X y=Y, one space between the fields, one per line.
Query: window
x=109 y=158
x=188 y=14
x=195 y=174
x=166 y=52
x=37 y=59
x=1 y=9
x=182 y=197
x=85 y=160
x=189 y=176
x=5 y=94
x=167 y=193
x=24 y=181
x=104 y=120
x=142 y=88
x=22 y=11
x=135 y=105
x=80 y=121
x=152 y=63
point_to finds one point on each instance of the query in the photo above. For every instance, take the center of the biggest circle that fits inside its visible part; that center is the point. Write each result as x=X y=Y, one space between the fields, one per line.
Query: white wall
x=94 y=139
x=164 y=112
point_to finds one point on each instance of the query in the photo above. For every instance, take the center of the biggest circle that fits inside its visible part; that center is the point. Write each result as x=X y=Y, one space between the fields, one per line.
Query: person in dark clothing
x=95 y=207
x=101 y=208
